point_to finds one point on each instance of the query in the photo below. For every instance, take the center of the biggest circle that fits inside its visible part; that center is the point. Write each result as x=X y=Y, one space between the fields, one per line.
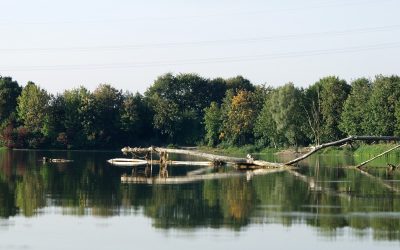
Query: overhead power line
x=301 y=7
x=260 y=57
x=209 y=42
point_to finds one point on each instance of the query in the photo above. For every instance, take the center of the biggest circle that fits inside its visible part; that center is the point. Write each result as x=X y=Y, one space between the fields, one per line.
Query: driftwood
x=261 y=164
x=373 y=158
x=341 y=142
x=207 y=156
x=214 y=159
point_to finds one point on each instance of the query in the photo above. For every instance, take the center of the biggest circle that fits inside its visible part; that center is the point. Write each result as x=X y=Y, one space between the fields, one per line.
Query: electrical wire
x=210 y=42
x=259 y=57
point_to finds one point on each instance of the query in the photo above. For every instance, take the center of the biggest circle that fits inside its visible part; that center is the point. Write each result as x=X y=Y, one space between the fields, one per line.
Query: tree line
x=188 y=109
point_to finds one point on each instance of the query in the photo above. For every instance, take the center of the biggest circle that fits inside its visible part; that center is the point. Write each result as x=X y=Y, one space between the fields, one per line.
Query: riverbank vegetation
x=187 y=109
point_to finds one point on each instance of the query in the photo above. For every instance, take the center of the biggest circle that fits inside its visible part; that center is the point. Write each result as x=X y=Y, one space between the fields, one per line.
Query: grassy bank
x=357 y=149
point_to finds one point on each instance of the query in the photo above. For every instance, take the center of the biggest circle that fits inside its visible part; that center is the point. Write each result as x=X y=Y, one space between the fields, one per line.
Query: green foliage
x=397 y=115
x=136 y=118
x=9 y=92
x=265 y=129
x=179 y=103
x=333 y=93
x=239 y=83
x=34 y=113
x=75 y=117
x=33 y=107
x=281 y=119
x=107 y=102
x=189 y=109
x=286 y=112
x=354 y=116
x=241 y=118
x=382 y=106
x=213 y=124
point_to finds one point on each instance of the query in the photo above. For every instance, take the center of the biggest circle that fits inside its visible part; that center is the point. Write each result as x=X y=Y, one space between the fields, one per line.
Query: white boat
x=127 y=162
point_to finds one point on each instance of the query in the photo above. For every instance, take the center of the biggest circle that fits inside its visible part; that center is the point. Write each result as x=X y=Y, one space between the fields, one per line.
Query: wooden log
x=341 y=142
x=260 y=164
x=212 y=157
x=207 y=156
x=373 y=158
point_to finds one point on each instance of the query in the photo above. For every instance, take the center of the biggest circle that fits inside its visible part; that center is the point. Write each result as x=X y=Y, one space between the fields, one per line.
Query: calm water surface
x=83 y=204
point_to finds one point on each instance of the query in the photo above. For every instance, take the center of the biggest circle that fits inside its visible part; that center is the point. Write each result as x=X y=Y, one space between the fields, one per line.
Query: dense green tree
x=188 y=109
x=265 y=130
x=397 y=115
x=9 y=92
x=283 y=113
x=241 y=118
x=353 y=120
x=213 y=124
x=167 y=118
x=312 y=109
x=33 y=107
x=136 y=118
x=384 y=97
x=187 y=95
x=77 y=102
x=328 y=95
x=239 y=83
x=34 y=113
x=107 y=105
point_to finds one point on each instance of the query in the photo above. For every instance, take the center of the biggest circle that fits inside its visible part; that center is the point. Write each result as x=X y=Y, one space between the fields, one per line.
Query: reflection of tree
x=213 y=203
x=7 y=201
x=238 y=199
x=343 y=197
x=180 y=206
x=30 y=193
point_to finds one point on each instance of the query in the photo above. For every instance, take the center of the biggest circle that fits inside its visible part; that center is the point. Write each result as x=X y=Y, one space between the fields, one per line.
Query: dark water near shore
x=83 y=204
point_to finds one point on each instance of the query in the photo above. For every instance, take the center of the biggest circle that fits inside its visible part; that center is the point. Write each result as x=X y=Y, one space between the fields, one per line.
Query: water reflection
x=321 y=194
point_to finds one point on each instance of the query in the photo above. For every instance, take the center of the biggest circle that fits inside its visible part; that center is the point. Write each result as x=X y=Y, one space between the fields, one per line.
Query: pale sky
x=126 y=43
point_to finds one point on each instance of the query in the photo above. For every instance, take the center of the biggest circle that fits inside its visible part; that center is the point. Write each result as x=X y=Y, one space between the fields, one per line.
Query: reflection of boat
x=127 y=162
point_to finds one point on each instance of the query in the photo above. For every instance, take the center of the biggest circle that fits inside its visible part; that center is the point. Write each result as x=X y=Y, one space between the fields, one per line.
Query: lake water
x=83 y=204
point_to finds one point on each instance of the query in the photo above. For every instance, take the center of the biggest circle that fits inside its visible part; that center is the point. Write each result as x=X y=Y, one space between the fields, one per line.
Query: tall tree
x=384 y=97
x=136 y=118
x=185 y=94
x=107 y=102
x=241 y=118
x=265 y=130
x=283 y=112
x=9 y=92
x=329 y=94
x=353 y=120
x=213 y=124
x=76 y=116
x=33 y=109
x=239 y=83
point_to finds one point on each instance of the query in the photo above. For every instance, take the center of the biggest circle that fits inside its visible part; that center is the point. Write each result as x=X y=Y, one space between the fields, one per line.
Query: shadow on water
x=321 y=194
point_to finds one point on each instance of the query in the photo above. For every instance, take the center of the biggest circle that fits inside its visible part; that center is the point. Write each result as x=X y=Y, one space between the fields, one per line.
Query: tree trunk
x=341 y=142
x=216 y=159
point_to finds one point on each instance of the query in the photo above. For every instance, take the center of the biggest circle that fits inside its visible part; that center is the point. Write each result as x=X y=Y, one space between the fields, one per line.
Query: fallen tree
x=218 y=159
x=349 y=139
